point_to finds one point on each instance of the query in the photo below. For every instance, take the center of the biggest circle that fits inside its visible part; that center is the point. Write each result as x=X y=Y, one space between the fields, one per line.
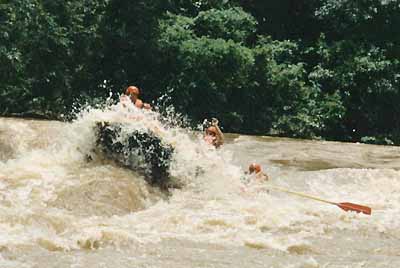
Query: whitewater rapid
x=57 y=209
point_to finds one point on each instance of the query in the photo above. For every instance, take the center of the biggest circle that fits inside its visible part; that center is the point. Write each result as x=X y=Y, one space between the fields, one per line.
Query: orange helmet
x=132 y=90
x=139 y=103
x=254 y=168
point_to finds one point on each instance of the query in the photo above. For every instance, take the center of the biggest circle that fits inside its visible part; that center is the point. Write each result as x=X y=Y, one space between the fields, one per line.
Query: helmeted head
x=211 y=131
x=254 y=168
x=139 y=103
x=132 y=91
x=210 y=136
x=147 y=106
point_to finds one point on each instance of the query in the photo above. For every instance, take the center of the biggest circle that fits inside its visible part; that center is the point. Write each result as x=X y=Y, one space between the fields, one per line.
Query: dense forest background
x=299 y=68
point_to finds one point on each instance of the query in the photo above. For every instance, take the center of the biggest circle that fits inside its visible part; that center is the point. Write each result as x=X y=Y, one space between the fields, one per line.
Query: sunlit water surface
x=59 y=210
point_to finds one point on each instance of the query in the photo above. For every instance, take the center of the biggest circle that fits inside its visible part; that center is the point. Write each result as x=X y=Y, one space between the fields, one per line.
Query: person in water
x=213 y=134
x=255 y=168
x=132 y=93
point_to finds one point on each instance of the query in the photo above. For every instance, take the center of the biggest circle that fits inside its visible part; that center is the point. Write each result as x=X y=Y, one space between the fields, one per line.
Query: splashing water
x=56 y=203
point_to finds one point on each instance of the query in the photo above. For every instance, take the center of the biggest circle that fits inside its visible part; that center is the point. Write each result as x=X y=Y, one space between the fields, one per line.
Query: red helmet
x=132 y=90
x=254 y=168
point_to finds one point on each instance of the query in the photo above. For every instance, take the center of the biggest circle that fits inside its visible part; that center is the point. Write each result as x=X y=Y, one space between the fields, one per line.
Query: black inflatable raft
x=142 y=151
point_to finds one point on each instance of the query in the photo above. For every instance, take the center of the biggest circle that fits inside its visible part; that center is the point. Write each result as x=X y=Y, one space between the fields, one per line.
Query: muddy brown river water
x=59 y=210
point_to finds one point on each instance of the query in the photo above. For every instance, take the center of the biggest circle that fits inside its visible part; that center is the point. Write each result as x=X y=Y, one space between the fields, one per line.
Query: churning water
x=60 y=209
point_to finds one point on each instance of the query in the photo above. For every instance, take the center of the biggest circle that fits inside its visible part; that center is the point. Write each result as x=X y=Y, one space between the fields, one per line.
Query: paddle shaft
x=346 y=206
x=300 y=194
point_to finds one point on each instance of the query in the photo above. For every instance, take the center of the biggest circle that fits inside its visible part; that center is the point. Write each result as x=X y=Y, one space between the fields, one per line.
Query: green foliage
x=297 y=105
x=285 y=19
x=373 y=20
x=173 y=31
x=253 y=89
x=229 y=24
x=128 y=40
x=365 y=76
x=315 y=68
x=45 y=53
x=207 y=70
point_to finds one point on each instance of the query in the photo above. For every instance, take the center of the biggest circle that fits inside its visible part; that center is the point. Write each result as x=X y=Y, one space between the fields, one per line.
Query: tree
x=46 y=53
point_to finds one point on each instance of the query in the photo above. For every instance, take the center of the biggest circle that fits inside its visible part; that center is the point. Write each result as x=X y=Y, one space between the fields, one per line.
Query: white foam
x=212 y=206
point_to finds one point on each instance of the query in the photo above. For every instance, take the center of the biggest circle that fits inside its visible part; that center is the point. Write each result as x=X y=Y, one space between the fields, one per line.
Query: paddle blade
x=354 y=207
